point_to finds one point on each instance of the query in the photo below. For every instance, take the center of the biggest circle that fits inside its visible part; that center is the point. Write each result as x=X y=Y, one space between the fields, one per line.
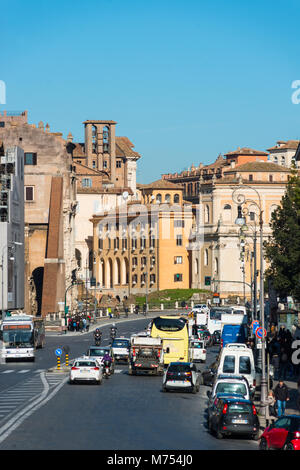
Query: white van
x=237 y=359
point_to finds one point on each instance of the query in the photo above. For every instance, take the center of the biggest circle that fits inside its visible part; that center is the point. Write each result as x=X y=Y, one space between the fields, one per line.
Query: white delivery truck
x=146 y=355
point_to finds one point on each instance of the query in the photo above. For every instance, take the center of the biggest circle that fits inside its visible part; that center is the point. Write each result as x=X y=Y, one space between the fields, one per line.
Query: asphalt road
x=124 y=413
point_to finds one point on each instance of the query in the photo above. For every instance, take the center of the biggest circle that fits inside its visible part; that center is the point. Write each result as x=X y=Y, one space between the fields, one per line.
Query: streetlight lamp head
x=240 y=221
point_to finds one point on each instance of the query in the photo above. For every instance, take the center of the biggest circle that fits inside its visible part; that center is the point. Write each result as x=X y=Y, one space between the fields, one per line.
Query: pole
x=262 y=316
x=255 y=280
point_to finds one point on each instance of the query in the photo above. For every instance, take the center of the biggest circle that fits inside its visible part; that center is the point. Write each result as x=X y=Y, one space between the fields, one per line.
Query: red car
x=282 y=434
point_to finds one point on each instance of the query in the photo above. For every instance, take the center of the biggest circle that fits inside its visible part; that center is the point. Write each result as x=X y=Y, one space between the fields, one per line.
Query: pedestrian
x=74 y=324
x=271 y=403
x=276 y=365
x=284 y=363
x=87 y=324
x=84 y=324
x=281 y=393
x=136 y=309
x=81 y=325
x=109 y=312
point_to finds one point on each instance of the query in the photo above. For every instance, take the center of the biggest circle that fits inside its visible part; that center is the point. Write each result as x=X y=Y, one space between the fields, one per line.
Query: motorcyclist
x=106 y=360
x=113 y=330
x=97 y=334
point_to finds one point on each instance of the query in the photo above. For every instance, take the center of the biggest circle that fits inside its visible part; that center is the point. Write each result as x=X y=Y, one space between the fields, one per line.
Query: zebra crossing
x=38 y=371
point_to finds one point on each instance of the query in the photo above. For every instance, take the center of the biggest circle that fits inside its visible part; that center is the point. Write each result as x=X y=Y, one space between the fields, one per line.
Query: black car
x=216 y=337
x=209 y=374
x=233 y=415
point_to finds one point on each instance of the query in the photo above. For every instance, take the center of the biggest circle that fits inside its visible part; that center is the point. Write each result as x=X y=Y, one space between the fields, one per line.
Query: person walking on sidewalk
x=281 y=393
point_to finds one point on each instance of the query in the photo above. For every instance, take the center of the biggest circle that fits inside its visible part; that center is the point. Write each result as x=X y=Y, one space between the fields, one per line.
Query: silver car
x=181 y=376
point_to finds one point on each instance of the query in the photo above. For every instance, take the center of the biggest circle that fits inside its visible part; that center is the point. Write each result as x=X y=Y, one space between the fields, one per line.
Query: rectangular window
x=29 y=193
x=271 y=178
x=118 y=164
x=250 y=177
x=178 y=277
x=229 y=365
x=179 y=240
x=179 y=223
x=30 y=158
x=105 y=164
x=178 y=260
x=245 y=365
x=124 y=243
x=2 y=124
x=100 y=243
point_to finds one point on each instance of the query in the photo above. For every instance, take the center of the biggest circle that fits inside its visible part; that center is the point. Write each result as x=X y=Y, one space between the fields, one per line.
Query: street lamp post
x=241 y=199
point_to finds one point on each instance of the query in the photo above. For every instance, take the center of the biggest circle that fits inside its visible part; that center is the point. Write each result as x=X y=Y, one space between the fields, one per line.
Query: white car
x=197 y=350
x=201 y=308
x=85 y=369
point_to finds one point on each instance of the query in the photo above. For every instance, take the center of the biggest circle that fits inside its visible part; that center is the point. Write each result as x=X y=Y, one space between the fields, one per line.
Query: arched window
x=167 y=198
x=176 y=199
x=283 y=160
x=158 y=198
x=106 y=139
x=94 y=139
x=227 y=207
x=276 y=159
x=206 y=257
x=206 y=214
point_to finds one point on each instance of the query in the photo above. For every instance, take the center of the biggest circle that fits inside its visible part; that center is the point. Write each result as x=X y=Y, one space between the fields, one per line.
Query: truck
x=146 y=355
x=233 y=329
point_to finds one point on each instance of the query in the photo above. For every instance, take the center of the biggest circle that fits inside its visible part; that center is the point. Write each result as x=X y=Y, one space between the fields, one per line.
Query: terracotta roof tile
x=258 y=166
x=245 y=151
x=281 y=144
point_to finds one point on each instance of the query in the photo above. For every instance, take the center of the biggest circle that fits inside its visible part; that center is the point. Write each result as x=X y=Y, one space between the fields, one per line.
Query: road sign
x=260 y=332
x=58 y=352
x=255 y=325
x=216 y=298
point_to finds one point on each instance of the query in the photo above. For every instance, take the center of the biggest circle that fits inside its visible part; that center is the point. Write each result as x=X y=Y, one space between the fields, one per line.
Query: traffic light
x=207 y=280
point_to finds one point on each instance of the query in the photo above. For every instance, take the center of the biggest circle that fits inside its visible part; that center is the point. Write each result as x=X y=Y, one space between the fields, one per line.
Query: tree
x=283 y=248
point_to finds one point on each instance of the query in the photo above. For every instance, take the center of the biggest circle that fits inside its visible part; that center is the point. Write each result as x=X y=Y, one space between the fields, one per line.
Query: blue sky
x=184 y=80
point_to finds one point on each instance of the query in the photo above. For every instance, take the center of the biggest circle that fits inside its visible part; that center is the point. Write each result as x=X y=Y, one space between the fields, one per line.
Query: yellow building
x=143 y=246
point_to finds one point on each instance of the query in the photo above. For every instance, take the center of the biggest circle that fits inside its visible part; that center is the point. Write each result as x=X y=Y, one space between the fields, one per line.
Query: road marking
x=7 y=371
x=23 y=371
x=18 y=419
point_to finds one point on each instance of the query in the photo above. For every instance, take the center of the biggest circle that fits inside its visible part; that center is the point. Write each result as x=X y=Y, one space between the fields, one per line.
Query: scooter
x=97 y=340
x=106 y=369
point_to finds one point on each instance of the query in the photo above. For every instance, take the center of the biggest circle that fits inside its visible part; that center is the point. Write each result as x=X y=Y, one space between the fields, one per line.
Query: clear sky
x=185 y=80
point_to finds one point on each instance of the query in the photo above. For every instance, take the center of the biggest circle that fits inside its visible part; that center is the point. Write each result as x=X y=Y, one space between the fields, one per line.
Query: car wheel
x=164 y=389
x=255 y=436
x=289 y=446
x=263 y=445
x=219 y=435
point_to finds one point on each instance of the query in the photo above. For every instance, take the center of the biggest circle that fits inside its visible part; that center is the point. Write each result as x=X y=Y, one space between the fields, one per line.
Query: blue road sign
x=255 y=325
x=58 y=352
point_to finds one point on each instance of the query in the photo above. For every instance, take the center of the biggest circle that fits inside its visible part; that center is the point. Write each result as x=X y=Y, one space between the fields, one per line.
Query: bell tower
x=100 y=146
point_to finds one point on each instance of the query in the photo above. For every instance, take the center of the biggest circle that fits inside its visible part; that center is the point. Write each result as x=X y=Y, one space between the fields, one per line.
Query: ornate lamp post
x=239 y=198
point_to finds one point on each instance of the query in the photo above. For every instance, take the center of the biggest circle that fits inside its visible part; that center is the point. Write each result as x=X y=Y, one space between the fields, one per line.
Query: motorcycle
x=106 y=369
x=113 y=334
x=97 y=340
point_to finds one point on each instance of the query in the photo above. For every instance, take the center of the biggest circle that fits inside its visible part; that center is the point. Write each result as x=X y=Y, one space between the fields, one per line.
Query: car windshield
x=97 y=352
x=169 y=324
x=18 y=338
x=229 y=387
x=85 y=364
x=120 y=343
x=179 y=368
x=240 y=408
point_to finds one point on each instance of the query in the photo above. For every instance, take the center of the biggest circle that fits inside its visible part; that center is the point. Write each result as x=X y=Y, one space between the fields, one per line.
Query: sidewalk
x=103 y=321
x=291 y=406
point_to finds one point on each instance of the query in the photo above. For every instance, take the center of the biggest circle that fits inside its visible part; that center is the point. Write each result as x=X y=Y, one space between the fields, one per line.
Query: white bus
x=21 y=334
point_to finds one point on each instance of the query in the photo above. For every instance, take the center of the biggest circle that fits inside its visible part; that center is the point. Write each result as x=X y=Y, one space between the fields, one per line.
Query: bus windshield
x=169 y=324
x=18 y=338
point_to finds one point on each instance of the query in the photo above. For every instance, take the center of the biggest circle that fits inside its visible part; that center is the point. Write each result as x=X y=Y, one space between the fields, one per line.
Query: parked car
x=85 y=369
x=97 y=352
x=200 y=308
x=284 y=433
x=233 y=384
x=233 y=415
x=181 y=376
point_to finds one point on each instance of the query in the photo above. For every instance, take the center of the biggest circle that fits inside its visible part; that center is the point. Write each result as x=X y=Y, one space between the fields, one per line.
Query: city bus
x=175 y=335
x=21 y=335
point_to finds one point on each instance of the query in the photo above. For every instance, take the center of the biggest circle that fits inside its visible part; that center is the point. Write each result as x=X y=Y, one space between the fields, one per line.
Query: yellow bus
x=175 y=335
